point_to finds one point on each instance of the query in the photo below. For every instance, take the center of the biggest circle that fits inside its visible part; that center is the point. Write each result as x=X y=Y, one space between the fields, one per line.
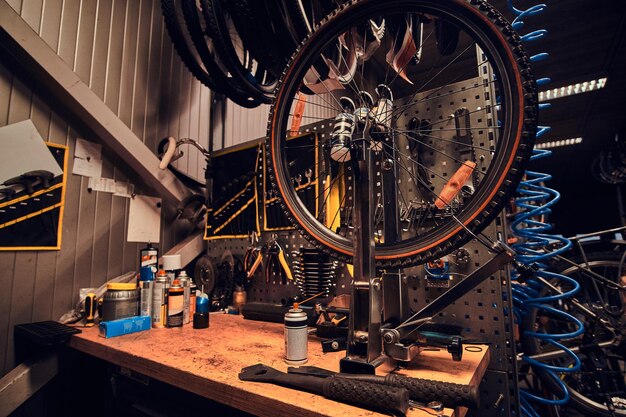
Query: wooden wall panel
x=120 y=48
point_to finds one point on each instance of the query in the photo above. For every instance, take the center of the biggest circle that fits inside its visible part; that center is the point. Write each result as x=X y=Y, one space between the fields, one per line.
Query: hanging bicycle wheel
x=450 y=126
x=600 y=381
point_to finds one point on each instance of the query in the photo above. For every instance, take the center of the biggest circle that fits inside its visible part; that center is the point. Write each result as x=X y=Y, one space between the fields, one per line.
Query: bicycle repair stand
x=381 y=330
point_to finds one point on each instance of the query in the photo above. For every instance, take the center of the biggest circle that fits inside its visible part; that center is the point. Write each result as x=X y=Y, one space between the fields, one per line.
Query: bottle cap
x=171 y=262
x=146 y=274
x=176 y=282
x=182 y=273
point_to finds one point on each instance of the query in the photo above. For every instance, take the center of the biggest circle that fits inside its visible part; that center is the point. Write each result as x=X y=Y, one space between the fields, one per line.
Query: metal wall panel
x=120 y=48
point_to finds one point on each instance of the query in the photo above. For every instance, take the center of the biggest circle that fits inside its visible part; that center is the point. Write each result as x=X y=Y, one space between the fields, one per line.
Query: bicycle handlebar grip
x=450 y=394
x=169 y=153
x=366 y=394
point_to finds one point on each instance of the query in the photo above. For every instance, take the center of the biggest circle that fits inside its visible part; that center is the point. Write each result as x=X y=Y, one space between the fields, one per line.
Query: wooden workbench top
x=207 y=362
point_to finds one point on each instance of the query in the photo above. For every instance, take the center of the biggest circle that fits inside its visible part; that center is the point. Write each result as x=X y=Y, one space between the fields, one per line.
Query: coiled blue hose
x=534 y=202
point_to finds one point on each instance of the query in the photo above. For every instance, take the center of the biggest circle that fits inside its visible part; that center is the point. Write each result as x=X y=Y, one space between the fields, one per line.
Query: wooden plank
x=153 y=80
x=25 y=380
x=51 y=23
x=100 y=48
x=141 y=76
x=31 y=13
x=85 y=41
x=438 y=366
x=128 y=63
x=7 y=263
x=207 y=362
x=68 y=33
x=84 y=239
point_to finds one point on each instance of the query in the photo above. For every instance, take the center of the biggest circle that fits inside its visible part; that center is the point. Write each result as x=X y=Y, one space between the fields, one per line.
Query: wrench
x=358 y=393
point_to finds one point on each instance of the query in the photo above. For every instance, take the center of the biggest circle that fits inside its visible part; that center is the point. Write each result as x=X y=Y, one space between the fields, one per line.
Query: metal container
x=149 y=256
x=239 y=297
x=296 y=336
x=146 y=289
x=159 y=299
x=120 y=301
x=175 y=304
x=185 y=282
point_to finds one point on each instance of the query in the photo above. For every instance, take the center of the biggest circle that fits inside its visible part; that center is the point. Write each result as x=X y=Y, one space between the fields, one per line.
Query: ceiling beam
x=18 y=39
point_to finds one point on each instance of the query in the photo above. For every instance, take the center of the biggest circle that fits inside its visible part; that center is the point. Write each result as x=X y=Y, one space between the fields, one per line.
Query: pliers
x=253 y=256
x=277 y=263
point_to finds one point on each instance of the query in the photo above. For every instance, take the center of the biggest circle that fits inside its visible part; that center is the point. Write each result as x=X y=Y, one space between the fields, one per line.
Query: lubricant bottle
x=201 y=316
x=149 y=256
x=146 y=290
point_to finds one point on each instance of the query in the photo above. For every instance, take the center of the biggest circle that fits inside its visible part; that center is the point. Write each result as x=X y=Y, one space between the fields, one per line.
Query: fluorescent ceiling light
x=558 y=143
x=573 y=89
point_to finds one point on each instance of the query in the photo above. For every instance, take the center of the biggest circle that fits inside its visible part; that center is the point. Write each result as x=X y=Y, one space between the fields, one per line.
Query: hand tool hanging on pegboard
x=277 y=263
x=253 y=257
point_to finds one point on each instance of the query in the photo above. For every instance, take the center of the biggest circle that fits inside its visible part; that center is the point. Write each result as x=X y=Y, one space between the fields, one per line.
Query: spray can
x=296 y=336
x=159 y=299
x=185 y=282
x=192 y=298
x=149 y=256
x=171 y=264
x=146 y=289
x=175 y=304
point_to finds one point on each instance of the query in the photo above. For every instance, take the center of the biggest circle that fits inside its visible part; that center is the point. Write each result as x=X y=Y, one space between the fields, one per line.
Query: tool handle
x=366 y=394
x=255 y=265
x=285 y=265
x=169 y=153
x=450 y=394
x=90 y=309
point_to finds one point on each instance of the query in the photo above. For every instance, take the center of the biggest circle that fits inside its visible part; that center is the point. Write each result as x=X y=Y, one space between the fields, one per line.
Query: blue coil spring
x=535 y=201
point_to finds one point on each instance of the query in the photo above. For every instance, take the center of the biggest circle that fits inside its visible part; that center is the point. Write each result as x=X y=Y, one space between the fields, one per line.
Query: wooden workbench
x=207 y=362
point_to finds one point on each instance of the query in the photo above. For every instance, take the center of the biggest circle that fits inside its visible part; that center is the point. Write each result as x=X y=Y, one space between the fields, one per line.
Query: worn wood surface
x=208 y=361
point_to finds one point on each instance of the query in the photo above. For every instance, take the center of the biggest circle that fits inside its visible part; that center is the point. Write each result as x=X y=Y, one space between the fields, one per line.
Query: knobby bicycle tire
x=226 y=84
x=211 y=75
x=214 y=15
x=502 y=45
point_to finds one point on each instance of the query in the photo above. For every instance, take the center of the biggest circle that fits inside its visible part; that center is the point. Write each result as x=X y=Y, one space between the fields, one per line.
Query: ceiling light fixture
x=558 y=143
x=572 y=89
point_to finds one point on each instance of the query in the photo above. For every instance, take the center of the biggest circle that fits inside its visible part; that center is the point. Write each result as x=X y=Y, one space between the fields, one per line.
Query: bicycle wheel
x=600 y=380
x=245 y=70
x=488 y=82
x=191 y=46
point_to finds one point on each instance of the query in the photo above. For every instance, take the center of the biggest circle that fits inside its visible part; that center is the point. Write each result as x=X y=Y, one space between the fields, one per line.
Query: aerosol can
x=296 y=336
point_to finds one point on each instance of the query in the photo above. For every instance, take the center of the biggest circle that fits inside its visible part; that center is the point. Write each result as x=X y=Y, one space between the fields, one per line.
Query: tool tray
x=45 y=333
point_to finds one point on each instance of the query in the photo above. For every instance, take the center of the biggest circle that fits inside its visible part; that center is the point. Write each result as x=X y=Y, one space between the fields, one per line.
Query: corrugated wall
x=120 y=48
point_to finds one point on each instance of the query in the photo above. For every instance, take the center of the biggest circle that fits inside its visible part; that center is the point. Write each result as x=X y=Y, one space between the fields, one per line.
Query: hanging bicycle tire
x=187 y=35
x=255 y=79
x=602 y=359
x=438 y=224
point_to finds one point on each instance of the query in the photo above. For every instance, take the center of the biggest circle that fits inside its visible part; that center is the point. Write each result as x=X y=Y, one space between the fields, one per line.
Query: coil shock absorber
x=342 y=131
x=534 y=203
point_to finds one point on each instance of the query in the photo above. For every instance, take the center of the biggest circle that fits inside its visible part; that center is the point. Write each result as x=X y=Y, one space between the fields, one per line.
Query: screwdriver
x=90 y=309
